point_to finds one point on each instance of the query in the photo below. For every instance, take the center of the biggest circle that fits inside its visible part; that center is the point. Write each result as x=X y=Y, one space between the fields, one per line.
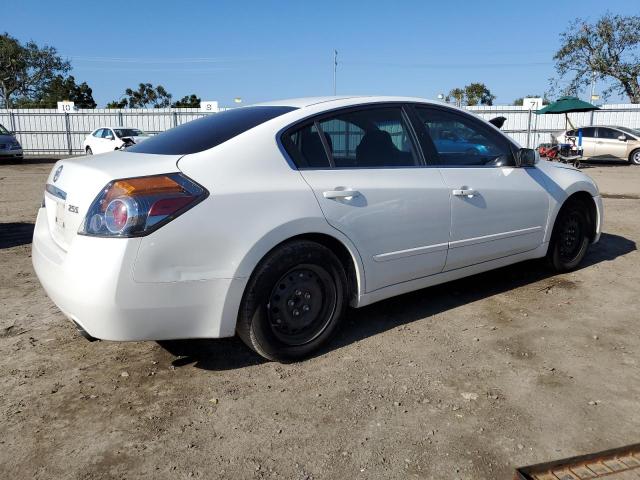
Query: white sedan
x=269 y=220
x=107 y=139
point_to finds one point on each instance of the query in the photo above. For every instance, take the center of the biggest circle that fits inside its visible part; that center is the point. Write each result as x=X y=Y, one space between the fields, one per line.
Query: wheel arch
x=588 y=201
x=327 y=236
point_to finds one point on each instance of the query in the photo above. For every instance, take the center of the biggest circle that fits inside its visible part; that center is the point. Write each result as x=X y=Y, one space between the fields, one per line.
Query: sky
x=266 y=50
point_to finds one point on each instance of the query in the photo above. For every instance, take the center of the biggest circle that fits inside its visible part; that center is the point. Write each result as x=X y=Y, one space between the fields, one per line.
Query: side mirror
x=622 y=138
x=527 y=157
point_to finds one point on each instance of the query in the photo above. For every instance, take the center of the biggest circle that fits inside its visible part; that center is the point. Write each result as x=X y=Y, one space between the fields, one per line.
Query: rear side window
x=370 y=138
x=588 y=132
x=367 y=138
x=209 y=131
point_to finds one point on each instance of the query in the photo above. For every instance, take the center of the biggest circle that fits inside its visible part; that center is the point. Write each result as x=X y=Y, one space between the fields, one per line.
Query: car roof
x=335 y=101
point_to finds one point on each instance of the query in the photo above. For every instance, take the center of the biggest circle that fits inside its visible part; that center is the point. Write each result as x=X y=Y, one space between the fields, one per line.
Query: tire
x=570 y=237
x=634 y=157
x=89 y=151
x=278 y=317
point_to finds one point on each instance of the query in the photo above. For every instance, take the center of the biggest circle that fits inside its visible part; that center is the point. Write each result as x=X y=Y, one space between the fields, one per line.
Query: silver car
x=603 y=142
x=9 y=145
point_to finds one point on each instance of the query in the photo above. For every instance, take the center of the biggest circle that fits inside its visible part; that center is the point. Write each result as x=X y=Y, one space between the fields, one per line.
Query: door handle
x=464 y=192
x=346 y=194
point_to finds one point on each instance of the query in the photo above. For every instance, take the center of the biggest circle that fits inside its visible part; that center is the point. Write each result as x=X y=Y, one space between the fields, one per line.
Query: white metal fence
x=48 y=132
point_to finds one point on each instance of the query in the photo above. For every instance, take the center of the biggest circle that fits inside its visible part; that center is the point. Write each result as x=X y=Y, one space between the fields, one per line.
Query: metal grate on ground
x=617 y=464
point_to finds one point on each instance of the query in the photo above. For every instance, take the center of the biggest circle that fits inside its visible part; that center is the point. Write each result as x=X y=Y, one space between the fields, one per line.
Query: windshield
x=129 y=132
x=4 y=131
x=632 y=131
x=209 y=131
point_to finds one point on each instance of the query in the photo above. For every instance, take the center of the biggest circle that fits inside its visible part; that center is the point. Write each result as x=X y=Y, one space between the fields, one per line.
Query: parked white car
x=604 y=142
x=268 y=220
x=108 y=139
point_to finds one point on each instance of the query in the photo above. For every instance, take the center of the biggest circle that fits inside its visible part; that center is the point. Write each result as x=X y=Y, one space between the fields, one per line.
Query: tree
x=518 y=102
x=60 y=88
x=145 y=96
x=478 y=94
x=472 y=94
x=26 y=70
x=607 y=50
x=457 y=94
x=191 y=101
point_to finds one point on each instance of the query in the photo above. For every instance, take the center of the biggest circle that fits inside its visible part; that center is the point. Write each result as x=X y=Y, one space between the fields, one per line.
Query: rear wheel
x=294 y=301
x=570 y=237
x=89 y=151
x=634 y=157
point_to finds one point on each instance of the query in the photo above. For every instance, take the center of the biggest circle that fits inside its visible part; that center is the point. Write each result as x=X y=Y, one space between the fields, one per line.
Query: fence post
x=66 y=121
x=175 y=119
x=591 y=119
x=529 y=130
x=120 y=120
x=12 y=121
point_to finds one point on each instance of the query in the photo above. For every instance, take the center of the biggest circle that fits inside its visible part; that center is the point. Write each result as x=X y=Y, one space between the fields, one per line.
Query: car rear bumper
x=92 y=284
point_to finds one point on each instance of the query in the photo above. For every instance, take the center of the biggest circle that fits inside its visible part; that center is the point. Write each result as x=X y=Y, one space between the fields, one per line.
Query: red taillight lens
x=167 y=206
x=137 y=206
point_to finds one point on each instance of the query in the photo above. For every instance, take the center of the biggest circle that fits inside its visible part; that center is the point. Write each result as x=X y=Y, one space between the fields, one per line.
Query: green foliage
x=144 y=97
x=60 y=88
x=472 y=94
x=188 y=101
x=27 y=70
x=607 y=49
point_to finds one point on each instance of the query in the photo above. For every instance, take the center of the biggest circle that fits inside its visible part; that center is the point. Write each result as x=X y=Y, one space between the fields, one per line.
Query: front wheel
x=89 y=151
x=293 y=302
x=634 y=158
x=570 y=237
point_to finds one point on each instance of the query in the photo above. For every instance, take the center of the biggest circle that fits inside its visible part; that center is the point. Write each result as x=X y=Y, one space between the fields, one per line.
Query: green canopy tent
x=567 y=105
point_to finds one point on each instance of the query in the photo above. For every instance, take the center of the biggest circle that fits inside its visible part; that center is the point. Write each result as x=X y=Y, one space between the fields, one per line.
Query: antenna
x=335 y=67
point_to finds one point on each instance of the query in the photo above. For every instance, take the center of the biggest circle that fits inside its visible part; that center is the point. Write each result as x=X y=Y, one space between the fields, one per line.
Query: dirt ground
x=466 y=380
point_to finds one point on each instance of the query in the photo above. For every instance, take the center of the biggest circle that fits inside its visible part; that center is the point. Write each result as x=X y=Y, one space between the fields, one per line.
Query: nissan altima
x=268 y=221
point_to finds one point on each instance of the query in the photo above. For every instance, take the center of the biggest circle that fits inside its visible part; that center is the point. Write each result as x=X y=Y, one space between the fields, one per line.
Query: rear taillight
x=132 y=207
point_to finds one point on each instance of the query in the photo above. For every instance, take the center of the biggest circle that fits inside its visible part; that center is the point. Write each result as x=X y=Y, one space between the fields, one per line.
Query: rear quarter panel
x=256 y=201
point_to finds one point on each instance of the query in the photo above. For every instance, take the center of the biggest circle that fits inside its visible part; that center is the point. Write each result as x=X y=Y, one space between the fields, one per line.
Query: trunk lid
x=73 y=185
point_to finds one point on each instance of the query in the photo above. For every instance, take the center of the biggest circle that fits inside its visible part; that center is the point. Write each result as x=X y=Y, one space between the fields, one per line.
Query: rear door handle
x=464 y=192
x=346 y=194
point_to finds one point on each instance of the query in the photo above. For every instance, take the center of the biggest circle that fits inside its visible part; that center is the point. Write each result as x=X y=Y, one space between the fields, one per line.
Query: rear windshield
x=209 y=131
x=129 y=132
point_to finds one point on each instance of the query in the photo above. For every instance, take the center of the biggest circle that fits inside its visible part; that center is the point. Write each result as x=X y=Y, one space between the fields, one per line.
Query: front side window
x=106 y=134
x=630 y=133
x=460 y=140
x=3 y=131
x=369 y=138
x=98 y=133
x=608 y=133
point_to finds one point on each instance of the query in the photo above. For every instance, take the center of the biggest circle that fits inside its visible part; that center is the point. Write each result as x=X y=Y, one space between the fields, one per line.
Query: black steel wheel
x=570 y=238
x=89 y=151
x=301 y=304
x=293 y=302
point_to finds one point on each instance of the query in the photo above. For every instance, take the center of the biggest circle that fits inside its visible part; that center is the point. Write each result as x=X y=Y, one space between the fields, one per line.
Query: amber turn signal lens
x=131 y=187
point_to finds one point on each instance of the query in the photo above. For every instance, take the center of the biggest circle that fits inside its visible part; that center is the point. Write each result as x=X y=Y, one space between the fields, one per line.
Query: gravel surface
x=467 y=380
